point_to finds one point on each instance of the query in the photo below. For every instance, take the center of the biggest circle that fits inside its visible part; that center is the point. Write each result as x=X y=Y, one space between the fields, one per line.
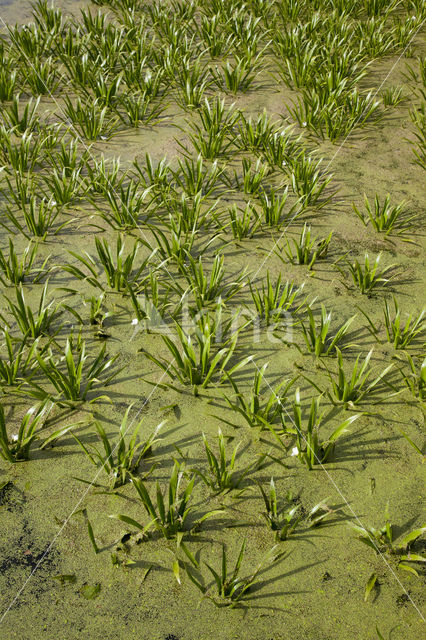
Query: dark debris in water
x=5 y=487
x=28 y=555
x=403 y=599
x=11 y=497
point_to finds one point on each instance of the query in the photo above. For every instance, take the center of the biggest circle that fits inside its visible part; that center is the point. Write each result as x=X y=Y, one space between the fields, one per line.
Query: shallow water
x=316 y=591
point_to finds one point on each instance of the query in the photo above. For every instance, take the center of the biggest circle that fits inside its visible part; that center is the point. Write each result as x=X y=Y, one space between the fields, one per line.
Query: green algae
x=316 y=591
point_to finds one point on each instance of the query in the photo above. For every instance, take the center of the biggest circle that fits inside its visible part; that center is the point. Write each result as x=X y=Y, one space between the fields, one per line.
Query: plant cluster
x=151 y=243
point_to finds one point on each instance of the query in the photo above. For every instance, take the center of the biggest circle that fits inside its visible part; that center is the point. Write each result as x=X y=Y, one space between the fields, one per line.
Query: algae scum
x=212 y=351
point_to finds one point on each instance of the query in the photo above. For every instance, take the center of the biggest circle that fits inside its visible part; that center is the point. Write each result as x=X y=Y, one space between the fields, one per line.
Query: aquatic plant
x=222 y=476
x=317 y=335
x=125 y=203
x=378 y=7
x=242 y=222
x=282 y=519
x=305 y=250
x=290 y=10
x=72 y=375
x=254 y=135
x=184 y=10
x=310 y=449
x=29 y=41
x=404 y=30
x=16 y=448
x=298 y=70
x=65 y=189
x=231 y=588
x=382 y=541
x=41 y=76
x=94 y=23
x=211 y=137
x=20 y=357
x=384 y=217
x=283 y=516
x=308 y=181
x=194 y=178
x=196 y=359
x=103 y=177
x=257 y=408
x=247 y=29
x=392 y=96
x=215 y=38
x=151 y=300
x=413 y=445
x=281 y=150
x=121 y=459
x=234 y=179
x=8 y=80
x=171 y=517
x=68 y=157
x=22 y=155
x=48 y=18
x=192 y=80
x=368 y=276
x=240 y=175
x=190 y=213
x=138 y=75
x=375 y=38
x=352 y=389
x=39 y=216
x=106 y=89
x=120 y=269
x=139 y=109
x=273 y=300
x=90 y=119
x=179 y=240
x=21 y=119
x=415 y=379
x=97 y=313
x=33 y=323
x=399 y=334
x=207 y=289
x=273 y=208
x=238 y=75
x=331 y=117
x=418 y=118
x=80 y=68
x=157 y=177
x=19 y=188
x=15 y=269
